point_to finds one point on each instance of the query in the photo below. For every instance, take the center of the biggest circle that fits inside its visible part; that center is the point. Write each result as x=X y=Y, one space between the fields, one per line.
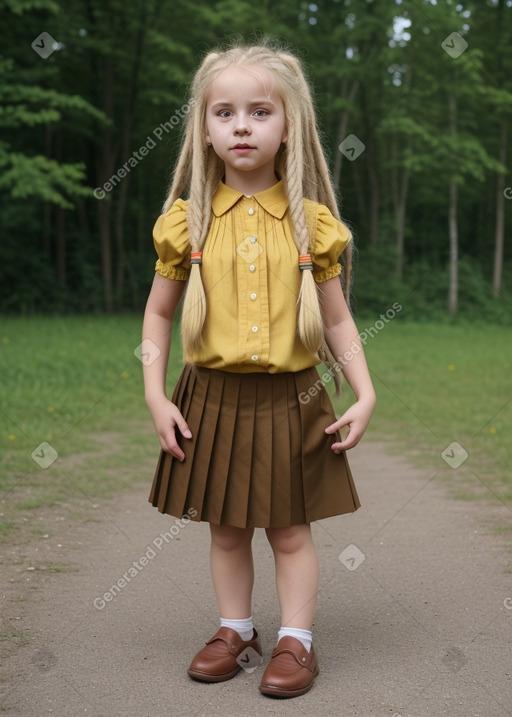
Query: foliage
x=119 y=71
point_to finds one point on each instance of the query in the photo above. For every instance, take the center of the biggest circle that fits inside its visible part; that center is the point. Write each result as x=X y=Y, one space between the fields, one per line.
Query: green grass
x=438 y=384
x=76 y=384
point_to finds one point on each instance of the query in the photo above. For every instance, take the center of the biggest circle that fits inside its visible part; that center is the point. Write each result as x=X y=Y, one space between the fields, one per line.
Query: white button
x=254 y=329
x=255 y=357
x=251 y=211
x=253 y=240
x=254 y=296
x=252 y=267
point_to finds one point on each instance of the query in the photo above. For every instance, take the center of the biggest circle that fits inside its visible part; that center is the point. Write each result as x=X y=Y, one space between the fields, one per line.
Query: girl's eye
x=261 y=113
x=224 y=113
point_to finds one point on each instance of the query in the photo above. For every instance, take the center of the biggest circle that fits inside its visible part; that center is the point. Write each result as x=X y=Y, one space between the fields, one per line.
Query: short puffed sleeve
x=170 y=237
x=330 y=239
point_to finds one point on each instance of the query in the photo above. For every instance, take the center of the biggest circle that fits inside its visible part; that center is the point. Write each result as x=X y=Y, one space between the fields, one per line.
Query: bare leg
x=232 y=570
x=297 y=574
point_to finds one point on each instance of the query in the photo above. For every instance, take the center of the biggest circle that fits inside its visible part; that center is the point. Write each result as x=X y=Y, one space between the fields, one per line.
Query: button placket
x=250 y=250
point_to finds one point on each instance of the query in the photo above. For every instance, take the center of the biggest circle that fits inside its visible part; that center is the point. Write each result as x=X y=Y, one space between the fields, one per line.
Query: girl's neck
x=249 y=183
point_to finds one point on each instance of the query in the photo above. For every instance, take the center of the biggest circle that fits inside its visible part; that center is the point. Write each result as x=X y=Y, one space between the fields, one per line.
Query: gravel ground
x=413 y=618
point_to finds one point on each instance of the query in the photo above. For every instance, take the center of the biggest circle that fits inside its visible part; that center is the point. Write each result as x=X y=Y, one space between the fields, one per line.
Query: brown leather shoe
x=291 y=669
x=218 y=660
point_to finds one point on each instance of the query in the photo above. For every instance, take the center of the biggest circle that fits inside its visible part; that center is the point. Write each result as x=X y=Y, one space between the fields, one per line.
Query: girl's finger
x=351 y=440
x=336 y=426
x=170 y=445
x=183 y=428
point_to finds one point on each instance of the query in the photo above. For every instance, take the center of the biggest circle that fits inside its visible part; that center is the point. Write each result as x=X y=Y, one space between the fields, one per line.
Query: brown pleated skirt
x=258 y=456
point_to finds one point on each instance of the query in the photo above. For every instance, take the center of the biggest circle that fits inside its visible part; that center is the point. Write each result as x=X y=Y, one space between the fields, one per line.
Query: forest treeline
x=414 y=101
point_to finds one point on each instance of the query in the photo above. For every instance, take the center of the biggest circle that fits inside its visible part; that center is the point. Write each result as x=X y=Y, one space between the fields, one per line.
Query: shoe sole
x=279 y=692
x=205 y=677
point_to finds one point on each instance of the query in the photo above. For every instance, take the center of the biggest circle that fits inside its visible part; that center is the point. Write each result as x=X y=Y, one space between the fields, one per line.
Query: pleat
x=298 y=507
x=236 y=504
x=186 y=399
x=183 y=397
x=260 y=493
x=259 y=455
x=204 y=414
x=337 y=494
x=218 y=473
x=159 y=495
x=280 y=496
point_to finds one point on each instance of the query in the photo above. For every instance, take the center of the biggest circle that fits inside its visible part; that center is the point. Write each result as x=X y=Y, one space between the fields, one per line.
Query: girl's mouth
x=242 y=148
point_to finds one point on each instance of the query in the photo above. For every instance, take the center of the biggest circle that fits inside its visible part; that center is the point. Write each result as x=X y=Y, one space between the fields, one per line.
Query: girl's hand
x=167 y=417
x=357 y=418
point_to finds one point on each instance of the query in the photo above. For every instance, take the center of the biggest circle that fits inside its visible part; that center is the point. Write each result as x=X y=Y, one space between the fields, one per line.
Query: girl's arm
x=343 y=339
x=161 y=305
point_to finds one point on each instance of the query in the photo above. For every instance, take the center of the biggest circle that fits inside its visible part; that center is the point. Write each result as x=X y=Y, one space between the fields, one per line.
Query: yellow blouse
x=251 y=276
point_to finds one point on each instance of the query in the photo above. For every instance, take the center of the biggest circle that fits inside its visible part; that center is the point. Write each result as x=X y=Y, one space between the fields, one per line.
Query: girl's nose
x=242 y=127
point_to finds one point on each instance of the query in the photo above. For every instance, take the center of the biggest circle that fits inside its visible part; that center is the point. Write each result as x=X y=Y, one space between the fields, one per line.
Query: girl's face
x=245 y=124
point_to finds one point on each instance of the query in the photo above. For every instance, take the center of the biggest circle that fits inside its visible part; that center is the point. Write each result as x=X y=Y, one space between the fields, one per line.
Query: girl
x=250 y=439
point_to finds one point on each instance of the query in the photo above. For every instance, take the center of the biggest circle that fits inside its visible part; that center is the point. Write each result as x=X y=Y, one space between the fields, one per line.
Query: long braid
x=309 y=324
x=181 y=176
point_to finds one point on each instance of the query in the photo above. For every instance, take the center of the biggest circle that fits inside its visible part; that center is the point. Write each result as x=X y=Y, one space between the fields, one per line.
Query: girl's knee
x=228 y=537
x=289 y=540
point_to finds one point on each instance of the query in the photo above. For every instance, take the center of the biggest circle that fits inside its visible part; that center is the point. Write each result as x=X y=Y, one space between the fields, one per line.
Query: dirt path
x=421 y=626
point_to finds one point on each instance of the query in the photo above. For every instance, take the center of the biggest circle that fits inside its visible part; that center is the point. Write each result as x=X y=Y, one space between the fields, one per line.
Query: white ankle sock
x=243 y=627
x=305 y=636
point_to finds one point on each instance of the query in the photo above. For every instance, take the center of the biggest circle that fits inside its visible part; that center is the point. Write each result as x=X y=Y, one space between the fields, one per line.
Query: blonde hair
x=300 y=163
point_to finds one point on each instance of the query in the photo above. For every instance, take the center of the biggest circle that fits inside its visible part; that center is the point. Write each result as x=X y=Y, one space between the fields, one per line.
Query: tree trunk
x=453 y=291
x=400 y=222
x=60 y=226
x=47 y=210
x=500 y=215
x=454 y=251
x=371 y=163
x=60 y=234
x=126 y=141
x=358 y=184
x=104 y=205
x=342 y=133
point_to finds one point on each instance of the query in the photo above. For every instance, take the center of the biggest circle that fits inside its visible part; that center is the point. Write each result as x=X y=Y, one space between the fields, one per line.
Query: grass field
x=75 y=384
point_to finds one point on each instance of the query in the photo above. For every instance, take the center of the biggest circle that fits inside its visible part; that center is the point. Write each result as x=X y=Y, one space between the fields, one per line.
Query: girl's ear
x=285 y=136
x=207 y=138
